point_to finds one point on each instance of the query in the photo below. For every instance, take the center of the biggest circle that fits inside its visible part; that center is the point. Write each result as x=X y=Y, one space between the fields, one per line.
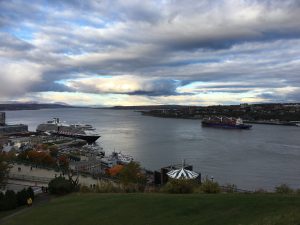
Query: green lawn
x=167 y=209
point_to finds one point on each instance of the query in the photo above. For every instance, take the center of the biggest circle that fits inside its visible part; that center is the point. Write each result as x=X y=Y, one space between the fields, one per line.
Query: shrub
x=283 y=189
x=84 y=189
x=210 y=187
x=2 y=203
x=30 y=192
x=260 y=191
x=108 y=187
x=151 y=189
x=60 y=186
x=22 y=197
x=131 y=188
x=11 y=198
x=9 y=201
x=230 y=188
x=180 y=186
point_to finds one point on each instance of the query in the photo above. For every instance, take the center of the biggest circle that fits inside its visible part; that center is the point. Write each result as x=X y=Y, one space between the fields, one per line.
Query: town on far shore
x=273 y=114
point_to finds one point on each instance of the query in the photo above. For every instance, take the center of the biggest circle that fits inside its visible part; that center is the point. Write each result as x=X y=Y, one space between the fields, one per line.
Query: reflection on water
x=262 y=157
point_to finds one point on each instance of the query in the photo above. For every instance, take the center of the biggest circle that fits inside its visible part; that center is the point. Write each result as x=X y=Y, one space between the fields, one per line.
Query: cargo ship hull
x=227 y=126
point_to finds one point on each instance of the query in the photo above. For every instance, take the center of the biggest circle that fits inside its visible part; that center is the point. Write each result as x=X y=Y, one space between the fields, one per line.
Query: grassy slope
x=155 y=209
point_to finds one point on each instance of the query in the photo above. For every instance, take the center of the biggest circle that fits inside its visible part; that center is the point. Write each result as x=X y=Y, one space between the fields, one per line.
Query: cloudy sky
x=133 y=52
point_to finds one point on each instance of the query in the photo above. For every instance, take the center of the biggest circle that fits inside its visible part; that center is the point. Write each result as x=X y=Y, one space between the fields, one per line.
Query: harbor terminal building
x=6 y=129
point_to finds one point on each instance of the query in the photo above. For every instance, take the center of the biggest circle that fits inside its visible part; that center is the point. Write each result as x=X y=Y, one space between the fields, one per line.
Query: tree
x=4 y=170
x=114 y=171
x=283 y=189
x=53 y=151
x=209 y=186
x=63 y=162
x=38 y=157
x=131 y=173
x=74 y=181
x=60 y=186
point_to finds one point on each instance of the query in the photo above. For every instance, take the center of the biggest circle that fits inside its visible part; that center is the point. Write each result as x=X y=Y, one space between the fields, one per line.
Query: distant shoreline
x=281 y=123
x=26 y=106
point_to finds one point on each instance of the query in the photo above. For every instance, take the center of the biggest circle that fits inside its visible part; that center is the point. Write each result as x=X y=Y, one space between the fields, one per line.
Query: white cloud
x=17 y=77
x=125 y=84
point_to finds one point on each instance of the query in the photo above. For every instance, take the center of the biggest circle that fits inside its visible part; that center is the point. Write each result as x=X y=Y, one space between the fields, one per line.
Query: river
x=262 y=157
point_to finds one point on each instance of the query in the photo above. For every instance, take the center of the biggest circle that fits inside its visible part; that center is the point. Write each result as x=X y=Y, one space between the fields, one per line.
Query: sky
x=132 y=52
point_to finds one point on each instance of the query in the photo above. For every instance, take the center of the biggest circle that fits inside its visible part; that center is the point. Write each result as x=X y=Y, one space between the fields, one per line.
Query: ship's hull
x=226 y=126
x=88 y=138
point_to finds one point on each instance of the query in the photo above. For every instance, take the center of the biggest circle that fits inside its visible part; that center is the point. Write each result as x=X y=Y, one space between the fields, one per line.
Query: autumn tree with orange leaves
x=38 y=157
x=114 y=171
x=63 y=162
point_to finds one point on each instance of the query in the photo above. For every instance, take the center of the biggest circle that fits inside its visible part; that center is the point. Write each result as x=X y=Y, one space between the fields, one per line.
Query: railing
x=234 y=189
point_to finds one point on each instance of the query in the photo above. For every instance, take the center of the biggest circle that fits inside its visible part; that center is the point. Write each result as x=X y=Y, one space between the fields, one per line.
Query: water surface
x=262 y=157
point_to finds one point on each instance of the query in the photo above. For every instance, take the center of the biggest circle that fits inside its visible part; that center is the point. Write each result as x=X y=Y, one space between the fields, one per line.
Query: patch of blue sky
x=22 y=33
x=60 y=81
x=72 y=52
x=7 y=29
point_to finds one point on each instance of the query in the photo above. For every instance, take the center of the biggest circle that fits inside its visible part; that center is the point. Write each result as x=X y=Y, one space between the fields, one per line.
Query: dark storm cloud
x=293 y=96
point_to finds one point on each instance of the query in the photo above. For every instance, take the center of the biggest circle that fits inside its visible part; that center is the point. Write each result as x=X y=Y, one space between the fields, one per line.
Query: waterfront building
x=162 y=177
x=2 y=118
x=6 y=129
x=90 y=166
x=13 y=129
